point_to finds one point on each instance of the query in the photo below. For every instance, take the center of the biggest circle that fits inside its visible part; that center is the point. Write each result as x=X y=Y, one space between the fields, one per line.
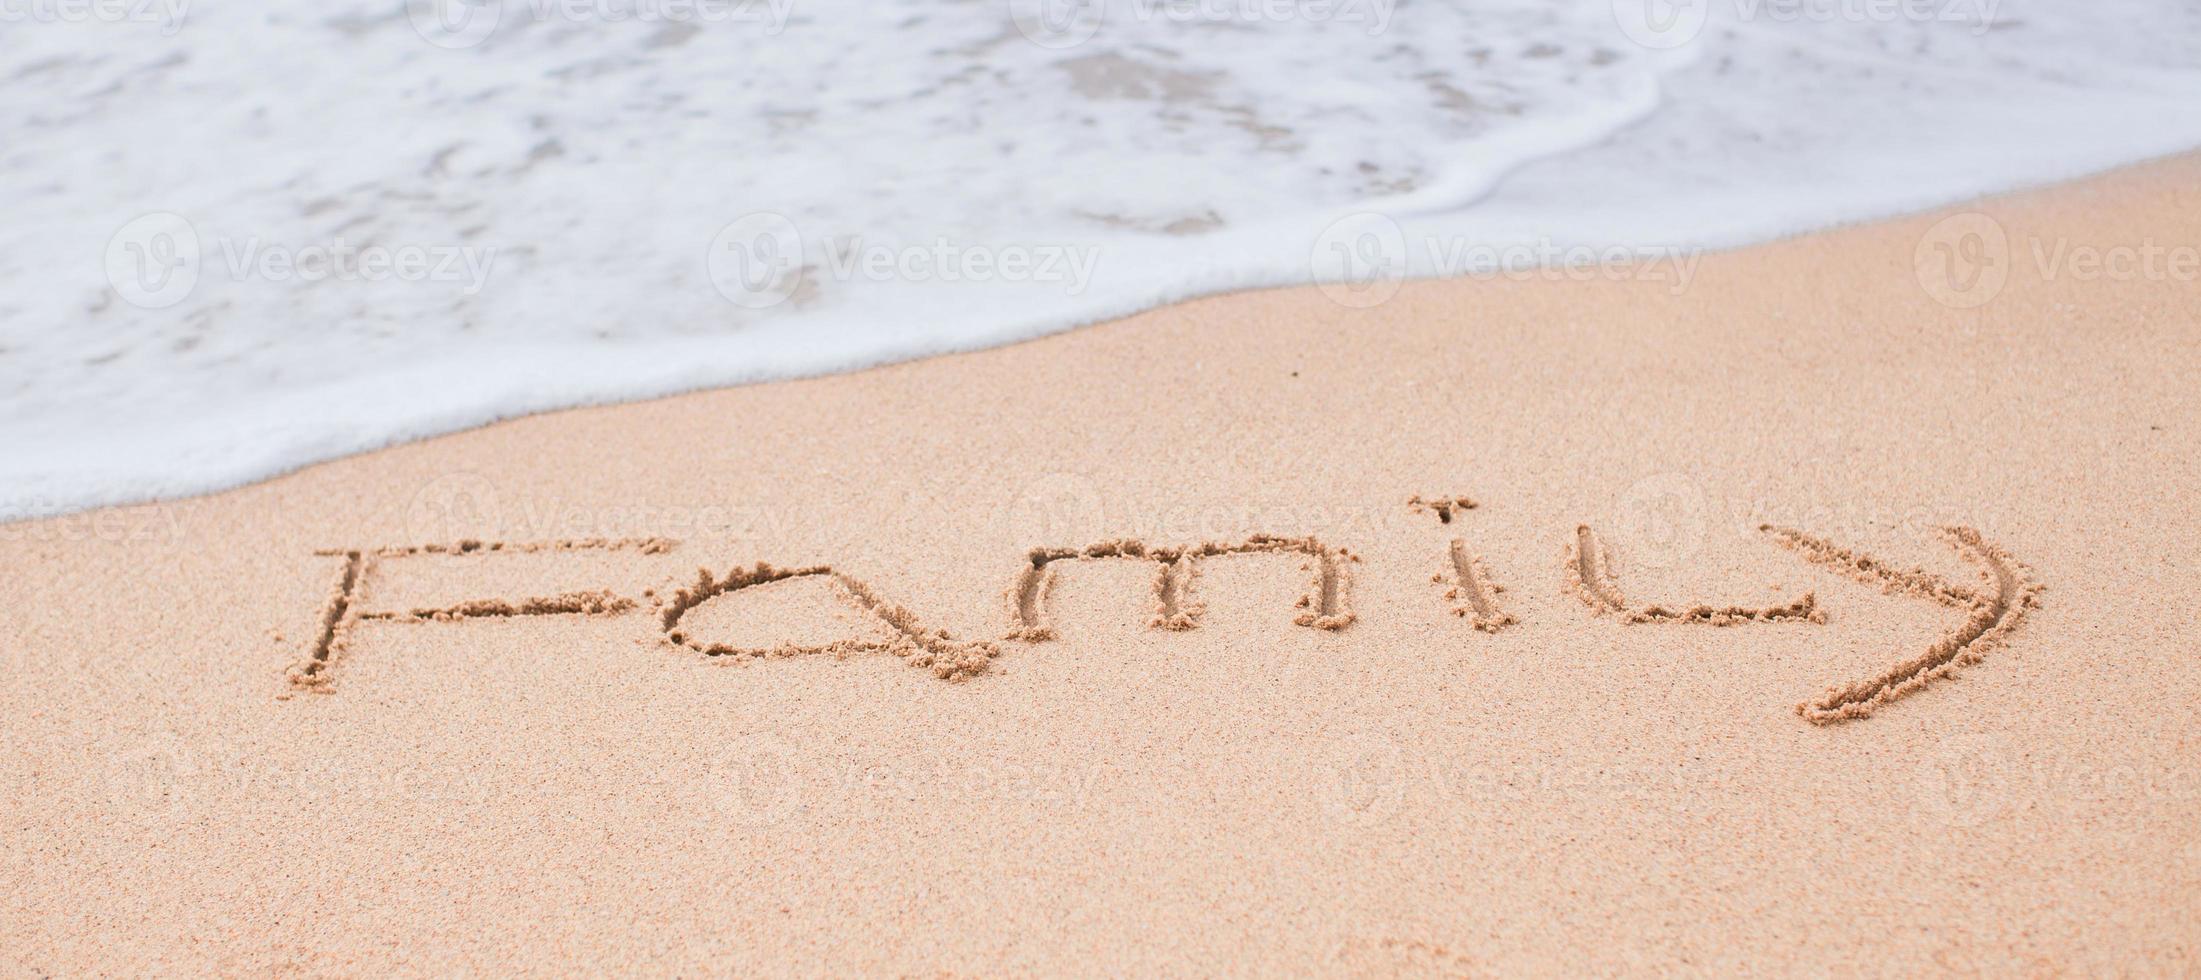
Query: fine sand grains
x=947 y=657
x=517 y=768
x=1590 y=573
x=1323 y=607
x=1993 y=613
x=340 y=610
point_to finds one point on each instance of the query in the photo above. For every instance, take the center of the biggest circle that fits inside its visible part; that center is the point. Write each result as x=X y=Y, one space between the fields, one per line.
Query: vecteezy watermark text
x=1673 y=23
x=1965 y=260
x=167 y=14
x=156 y=261
x=466 y=23
x=761 y=260
x=1069 y=23
x=1360 y=260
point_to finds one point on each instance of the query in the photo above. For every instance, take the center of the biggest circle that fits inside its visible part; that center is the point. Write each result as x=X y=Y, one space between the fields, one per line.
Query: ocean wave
x=247 y=238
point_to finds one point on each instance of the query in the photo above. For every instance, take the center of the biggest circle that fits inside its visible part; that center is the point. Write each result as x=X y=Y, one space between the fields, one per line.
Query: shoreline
x=592 y=376
x=1259 y=633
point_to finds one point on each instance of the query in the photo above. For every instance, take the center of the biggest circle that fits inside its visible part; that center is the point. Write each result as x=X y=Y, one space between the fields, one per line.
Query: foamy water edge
x=1614 y=157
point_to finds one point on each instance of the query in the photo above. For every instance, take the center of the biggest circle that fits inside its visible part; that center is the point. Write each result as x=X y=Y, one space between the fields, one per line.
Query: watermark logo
x=1359 y=260
x=1363 y=782
x=454 y=507
x=1666 y=24
x=455 y=24
x=2148 y=261
x=459 y=505
x=756 y=260
x=1057 y=23
x=754 y=781
x=959 y=777
x=153 y=262
x=156 y=260
x=1661 y=24
x=459 y=24
x=1964 y=780
x=52 y=519
x=341 y=261
x=1057 y=510
x=168 y=15
x=1963 y=261
x=1663 y=518
x=151 y=779
x=1674 y=265
x=760 y=260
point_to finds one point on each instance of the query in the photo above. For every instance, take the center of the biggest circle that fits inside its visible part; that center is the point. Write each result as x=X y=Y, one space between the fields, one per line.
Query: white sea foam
x=242 y=238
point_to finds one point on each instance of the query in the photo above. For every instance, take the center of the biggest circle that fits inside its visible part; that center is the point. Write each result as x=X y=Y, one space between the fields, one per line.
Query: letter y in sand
x=1994 y=614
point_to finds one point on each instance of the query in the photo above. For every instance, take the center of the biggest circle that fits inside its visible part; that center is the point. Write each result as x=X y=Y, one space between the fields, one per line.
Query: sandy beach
x=1830 y=611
